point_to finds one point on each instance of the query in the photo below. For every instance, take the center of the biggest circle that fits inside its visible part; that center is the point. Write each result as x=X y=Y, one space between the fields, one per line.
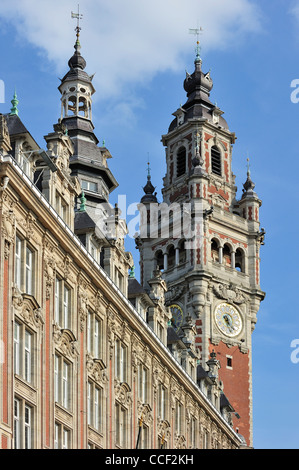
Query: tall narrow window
x=94 y=332
x=162 y=402
x=28 y=356
x=178 y=418
x=23 y=424
x=216 y=161
x=62 y=437
x=28 y=275
x=94 y=406
x=62 y=382
x=24 y=266
x=120 y=361
x=28 y=427
x=23 y=352
x=181 y=162
x=17 y=426
x=18 y=269
x=62 y=307
x=142 y=383
x=120 y=434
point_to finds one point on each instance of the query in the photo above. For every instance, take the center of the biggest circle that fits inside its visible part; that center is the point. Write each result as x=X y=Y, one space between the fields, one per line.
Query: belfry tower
x=207 y=242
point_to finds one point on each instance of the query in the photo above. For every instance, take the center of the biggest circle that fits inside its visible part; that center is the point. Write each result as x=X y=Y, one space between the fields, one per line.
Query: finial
x=83 y=202
x=132 y=273
x=79 y=17
x=148 y=170
x=248 y=167
x=14 y=110
x=197 y=32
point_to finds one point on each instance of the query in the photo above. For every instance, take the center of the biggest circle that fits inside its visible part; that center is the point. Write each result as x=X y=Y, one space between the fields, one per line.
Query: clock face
x=228 y=319
x=177 y=316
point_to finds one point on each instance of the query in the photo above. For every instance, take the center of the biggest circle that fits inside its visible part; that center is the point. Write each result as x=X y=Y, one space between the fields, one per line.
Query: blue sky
x=139 y=51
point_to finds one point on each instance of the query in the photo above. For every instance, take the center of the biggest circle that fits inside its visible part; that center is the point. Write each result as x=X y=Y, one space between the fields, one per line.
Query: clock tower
x=207 y=241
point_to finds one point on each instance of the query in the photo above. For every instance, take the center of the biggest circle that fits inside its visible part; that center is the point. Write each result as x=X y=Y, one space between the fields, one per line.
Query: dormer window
x=181 y=162
x=216 y=161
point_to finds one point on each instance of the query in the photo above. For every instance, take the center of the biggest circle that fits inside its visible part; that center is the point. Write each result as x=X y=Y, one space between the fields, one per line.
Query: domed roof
x=150 y=195
x=198 y=81
x=77 y=61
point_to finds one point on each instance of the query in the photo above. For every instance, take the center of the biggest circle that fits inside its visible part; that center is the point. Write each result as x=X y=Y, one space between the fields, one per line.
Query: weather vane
x=79 y=17
x=197 y=32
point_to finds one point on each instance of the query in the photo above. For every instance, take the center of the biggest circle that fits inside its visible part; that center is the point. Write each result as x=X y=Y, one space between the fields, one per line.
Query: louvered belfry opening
x=216 y=161
x=181 y=162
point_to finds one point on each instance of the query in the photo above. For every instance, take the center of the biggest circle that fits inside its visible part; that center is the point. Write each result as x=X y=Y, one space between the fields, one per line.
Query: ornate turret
x=149 y=189
x=89 y=161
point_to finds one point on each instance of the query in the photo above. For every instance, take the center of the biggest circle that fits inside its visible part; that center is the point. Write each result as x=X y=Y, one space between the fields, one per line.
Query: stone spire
x=249 y=185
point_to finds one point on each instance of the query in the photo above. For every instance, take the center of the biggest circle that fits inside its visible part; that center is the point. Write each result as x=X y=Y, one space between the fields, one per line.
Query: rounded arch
x=227 y=254
x=240 y=260
x=215 y=245
x=171 y=256
x=182 y=251
x=159 y=258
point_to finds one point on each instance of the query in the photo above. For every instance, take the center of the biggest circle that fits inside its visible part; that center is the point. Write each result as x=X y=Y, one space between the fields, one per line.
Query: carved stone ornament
x=82 y=306
x=27 y=308
x=174 y=293
x=66 y=342
x=49 y=272
x=8 y=231
x=180 y=442
x=123 y=393
x=5 y=145
x=229 y=293
x=97 y=370
x=164 y=429
x=144 y=413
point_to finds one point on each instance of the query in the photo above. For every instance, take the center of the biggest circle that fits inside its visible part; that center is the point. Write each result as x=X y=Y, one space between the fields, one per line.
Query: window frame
x=216 y=154
x=95 y=406
x=24 y=272
x=181 y=161
x=23 y=427
x=63 y=381
x=62 y=303
x=23 y=355
x=121 y=358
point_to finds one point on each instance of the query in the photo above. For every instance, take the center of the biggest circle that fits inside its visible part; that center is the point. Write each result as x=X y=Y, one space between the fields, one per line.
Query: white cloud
x=129 y=41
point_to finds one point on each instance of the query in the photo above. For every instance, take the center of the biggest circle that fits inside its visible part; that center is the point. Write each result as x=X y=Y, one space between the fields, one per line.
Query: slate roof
x=83 y=221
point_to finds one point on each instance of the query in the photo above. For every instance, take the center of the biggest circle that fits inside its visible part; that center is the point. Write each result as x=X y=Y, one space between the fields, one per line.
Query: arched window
x=181 y=162
x=227 y=255
x=216 y=160
x=215 y=250
x=182 y=252
x=239 y=260
x=159 y=260
x=171 y=256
